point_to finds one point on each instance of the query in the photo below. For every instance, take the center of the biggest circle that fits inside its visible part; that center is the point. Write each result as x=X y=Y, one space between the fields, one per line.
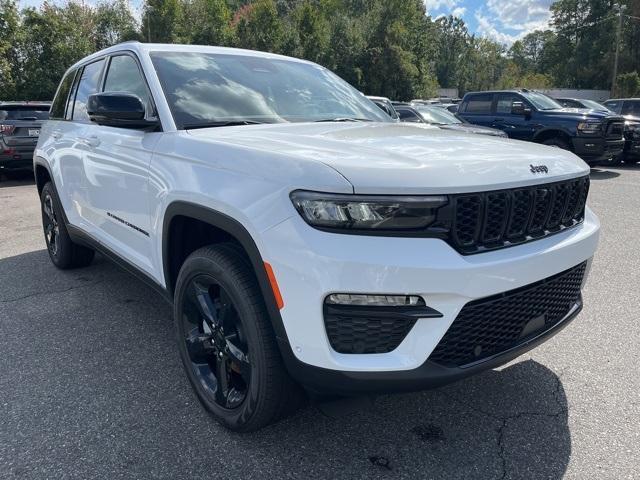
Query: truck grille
x=492 y=325
x=491 y=220
x=615 y=130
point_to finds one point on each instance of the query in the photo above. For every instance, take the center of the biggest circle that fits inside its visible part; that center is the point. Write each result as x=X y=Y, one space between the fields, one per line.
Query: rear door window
x=479 y=104
x=88 y=85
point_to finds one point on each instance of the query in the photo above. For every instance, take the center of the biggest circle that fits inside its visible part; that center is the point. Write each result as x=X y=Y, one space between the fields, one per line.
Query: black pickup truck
x=595 y=136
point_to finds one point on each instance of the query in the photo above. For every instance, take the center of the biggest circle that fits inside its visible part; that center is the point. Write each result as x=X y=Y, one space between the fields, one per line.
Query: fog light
x=375 y=300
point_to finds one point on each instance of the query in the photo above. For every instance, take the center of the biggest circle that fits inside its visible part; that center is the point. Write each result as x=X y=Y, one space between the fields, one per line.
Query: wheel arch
x=549 y=133
x=222 y=228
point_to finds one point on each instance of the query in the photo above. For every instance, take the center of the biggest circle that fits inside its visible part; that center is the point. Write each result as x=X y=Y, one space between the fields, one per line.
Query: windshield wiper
x=344 y=119
x=226 y=123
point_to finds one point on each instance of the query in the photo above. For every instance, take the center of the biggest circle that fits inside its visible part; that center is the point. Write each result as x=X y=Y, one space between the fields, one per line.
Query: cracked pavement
x=91 y=385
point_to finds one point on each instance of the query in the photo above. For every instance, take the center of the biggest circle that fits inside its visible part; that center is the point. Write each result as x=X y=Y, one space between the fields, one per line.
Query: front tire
x=64 y=253
x=226 y=341
x=557 y=142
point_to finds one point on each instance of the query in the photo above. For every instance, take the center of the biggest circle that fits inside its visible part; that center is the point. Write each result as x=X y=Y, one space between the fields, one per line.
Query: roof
x=25 y=103
x=145 y=48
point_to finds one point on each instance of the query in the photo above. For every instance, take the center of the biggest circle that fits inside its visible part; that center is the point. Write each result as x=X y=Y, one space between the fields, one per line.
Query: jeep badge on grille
x=539 y=169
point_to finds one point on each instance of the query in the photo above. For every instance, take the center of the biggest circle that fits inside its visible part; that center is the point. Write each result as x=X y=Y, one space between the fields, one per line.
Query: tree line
x=382 y=47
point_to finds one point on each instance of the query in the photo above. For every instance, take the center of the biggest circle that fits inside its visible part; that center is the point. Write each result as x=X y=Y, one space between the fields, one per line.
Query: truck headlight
x=590 y=127
x=367 y=212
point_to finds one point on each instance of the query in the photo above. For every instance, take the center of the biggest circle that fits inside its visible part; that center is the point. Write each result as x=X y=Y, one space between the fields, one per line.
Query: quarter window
x=89 y=84
x=124 y=76
x=60 y=102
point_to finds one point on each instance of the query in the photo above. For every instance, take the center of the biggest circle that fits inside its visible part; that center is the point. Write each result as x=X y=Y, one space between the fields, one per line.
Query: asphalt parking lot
x=91 y=385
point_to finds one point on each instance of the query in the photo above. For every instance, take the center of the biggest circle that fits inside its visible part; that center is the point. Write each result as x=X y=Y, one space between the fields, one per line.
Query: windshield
x=221 y=89
x=594 y=105
x=24 y=112
x=541 y=101
x=437 y=115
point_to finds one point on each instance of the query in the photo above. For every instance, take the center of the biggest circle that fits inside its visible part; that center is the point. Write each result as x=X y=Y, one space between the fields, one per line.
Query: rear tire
x=231 y=356
x=64 y=253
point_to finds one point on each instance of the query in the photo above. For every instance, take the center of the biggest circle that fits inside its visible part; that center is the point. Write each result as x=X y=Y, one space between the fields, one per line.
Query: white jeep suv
x=302 y=236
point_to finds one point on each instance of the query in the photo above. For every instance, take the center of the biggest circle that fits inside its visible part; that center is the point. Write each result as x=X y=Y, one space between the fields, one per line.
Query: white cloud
x=509 y=21
x=459 y=11
x=434 y=5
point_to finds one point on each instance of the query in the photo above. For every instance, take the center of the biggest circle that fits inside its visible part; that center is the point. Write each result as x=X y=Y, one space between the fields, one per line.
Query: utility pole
x=615 y=58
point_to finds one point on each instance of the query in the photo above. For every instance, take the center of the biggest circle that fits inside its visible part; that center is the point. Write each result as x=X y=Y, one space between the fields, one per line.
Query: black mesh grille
x=492 y=325
x=371 y=334
x=486 y=221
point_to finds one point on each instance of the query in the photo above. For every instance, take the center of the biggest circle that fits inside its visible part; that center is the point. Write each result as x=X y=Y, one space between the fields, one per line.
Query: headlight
x=364 y=212
x=590 y=127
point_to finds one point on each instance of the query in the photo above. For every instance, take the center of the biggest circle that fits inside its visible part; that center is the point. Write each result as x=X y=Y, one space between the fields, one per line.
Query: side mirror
x=518 y=108
x=118 y=109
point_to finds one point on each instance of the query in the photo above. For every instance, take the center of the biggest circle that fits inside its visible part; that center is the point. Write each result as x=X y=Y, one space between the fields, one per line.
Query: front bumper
x=632 y=148
x=593 y=150
x=310 y=264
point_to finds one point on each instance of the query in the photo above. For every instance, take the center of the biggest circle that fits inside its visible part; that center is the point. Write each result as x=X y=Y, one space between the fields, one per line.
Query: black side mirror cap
x=118 y=109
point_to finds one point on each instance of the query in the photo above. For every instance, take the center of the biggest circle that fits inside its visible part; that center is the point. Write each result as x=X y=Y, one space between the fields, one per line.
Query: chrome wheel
x=215 y=342
x=51 y=227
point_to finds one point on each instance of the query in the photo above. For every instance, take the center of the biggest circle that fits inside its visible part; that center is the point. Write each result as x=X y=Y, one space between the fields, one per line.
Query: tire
x=236 y=343
x=557 y=142
x=64 y=253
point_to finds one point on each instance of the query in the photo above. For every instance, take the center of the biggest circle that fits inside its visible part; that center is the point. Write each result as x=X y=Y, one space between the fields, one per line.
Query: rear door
x=476 y=109
x=71 y=145
x=116 y=165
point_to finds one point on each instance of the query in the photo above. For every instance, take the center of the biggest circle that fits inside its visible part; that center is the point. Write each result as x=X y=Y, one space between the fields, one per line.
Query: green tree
x=9 y=52
x=628 y=85
x=114 y=23
x=258 y=27
x=207 y=22
x=163 y=21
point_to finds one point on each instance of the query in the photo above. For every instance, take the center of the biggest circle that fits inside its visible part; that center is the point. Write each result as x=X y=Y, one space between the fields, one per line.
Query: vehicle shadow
x=90 y=370
x=602 y=174
x=16 y=179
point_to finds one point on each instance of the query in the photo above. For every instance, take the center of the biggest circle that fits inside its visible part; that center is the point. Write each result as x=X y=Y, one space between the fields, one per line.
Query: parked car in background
x=582 y=103
x=20 y=124
x=451 y=107
x=629 y=108
x=385 y=105
x=442 y=118
x=595 y=136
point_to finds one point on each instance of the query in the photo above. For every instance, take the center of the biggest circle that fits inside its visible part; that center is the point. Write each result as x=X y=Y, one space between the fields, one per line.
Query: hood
x=469 y=128
x=393 y=158
x=582 y=113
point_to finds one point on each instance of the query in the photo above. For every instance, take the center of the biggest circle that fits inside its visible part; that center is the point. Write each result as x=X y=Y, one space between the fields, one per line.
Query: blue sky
x=501 y=20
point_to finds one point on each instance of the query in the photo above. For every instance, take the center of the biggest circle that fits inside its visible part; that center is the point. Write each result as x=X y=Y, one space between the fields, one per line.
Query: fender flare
x=241 y=234
x=543 y=131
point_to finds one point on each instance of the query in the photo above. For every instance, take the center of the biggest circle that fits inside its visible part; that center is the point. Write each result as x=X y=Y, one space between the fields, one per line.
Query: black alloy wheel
x=50 y=224
x=215 y=342
x=226 y=341
x=64 y=252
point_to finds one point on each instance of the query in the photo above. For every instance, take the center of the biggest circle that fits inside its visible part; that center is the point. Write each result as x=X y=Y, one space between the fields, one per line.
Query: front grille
x=365 y=334
x=491 y=220
x=615 y=130
x=492 y=325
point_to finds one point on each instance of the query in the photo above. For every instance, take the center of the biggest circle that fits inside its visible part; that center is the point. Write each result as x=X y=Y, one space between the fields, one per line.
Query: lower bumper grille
x=493 y=325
